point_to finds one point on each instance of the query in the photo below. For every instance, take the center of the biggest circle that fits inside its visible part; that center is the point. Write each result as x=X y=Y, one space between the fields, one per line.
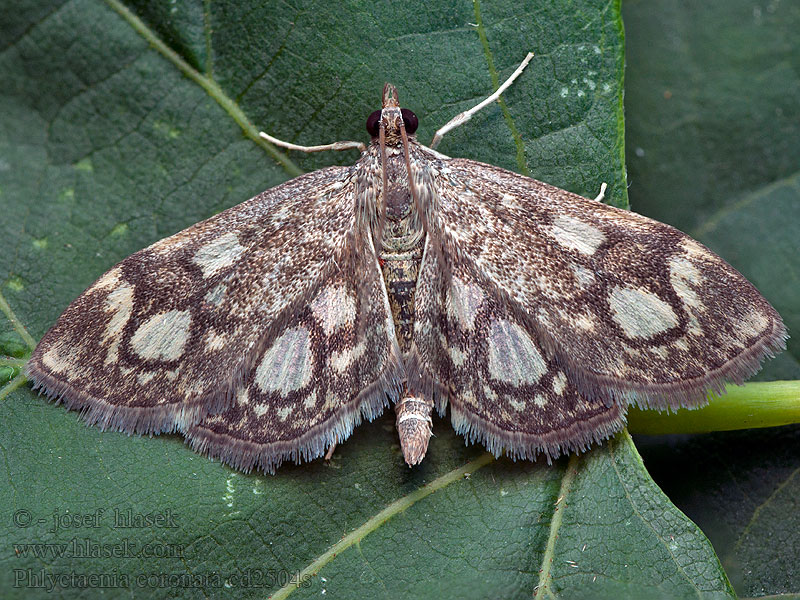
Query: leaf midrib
x=211 y=87
x=371 y=524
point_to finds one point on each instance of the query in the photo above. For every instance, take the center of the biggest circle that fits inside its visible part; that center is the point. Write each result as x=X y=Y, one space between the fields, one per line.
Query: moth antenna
x=411 y=186
x=385 y=177
x=602 y=193
x=465 y=116
x=344 y=145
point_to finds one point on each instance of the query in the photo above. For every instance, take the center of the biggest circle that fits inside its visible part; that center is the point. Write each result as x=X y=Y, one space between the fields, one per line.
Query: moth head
x=391 y=119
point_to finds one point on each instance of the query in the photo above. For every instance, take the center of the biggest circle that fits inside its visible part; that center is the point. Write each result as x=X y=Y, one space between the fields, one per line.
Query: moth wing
x=630 y=309
x=166 y=337
x=334 y=362
x=471 y=351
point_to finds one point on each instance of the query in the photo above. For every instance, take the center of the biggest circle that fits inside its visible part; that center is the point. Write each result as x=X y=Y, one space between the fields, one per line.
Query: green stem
x=758 y=404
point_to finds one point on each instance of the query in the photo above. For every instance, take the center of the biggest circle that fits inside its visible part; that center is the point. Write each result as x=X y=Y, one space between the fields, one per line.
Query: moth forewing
x=537 y=316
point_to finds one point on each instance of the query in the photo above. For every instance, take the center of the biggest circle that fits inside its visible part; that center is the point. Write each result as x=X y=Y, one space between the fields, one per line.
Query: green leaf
x=119 y=126
x=713 y=107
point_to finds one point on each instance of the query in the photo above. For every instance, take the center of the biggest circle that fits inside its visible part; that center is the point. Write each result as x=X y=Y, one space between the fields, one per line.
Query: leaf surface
x=121 y=124
x=713 y=107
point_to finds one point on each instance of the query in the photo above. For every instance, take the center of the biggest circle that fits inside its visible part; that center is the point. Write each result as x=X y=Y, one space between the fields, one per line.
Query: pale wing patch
x=171 y=244
x=464 y=301
x=510 y=200
x=755 y=325
x=457 y=356
x=280 y=215
x=661 y=351
x=468 y=397
x=584 y=277
x=639 y=313
x=334 y=307
x=60 y=361
x=219 y=253
x=341 y=360
x=695 y=250
x=543 y=318
x=109 y=280
x=682 y=275
x=516 y=403
x=162 y=336
x=311 y=400
x=215 y=340
x=575 y=234
x=242 y=396
x=559 y=383
x=513 y=357
x=217 y=295
x=120 y=304
x=584 y=321
x=288 y=365
x=145 y=378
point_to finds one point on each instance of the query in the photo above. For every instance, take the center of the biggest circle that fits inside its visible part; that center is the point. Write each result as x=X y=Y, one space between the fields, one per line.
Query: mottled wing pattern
x=166 y=337
x=335 y=361
x=630 y=310
x=505 y=389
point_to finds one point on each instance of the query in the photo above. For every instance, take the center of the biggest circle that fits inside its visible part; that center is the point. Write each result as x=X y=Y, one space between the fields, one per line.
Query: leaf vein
x=209 y=85
x=647 y=523
x=16 y=323
x=518 y=143
x=395 y=508
x=545 y=578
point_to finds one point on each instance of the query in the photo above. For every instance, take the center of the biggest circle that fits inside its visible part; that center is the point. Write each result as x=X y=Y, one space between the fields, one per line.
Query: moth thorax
x=414 y=425
x=402 y=228
x=402 y=243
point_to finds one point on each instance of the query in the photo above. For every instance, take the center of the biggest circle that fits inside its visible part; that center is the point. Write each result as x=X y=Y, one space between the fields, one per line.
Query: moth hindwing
x=272 y=329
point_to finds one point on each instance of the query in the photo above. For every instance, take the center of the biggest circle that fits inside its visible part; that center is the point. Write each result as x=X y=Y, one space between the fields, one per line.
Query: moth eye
x=410 y=120
x=372 y=123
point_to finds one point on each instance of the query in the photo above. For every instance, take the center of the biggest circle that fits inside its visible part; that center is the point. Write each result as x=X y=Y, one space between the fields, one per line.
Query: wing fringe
x=686 y=393
x=245 y=455
x=169 y=418
x=578 y=437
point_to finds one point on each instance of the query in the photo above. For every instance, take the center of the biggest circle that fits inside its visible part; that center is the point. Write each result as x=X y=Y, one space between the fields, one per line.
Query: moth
x=271 y=330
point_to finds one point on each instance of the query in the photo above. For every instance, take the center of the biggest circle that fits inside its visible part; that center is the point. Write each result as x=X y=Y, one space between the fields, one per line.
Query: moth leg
x=602 y=193
x=414 y=425
x=329 y=453
x=334 y=146
x=465 y=116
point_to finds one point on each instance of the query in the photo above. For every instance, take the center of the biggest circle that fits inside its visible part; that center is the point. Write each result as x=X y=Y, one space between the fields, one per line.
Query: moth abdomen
x=414 y=426
x=400 y=276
